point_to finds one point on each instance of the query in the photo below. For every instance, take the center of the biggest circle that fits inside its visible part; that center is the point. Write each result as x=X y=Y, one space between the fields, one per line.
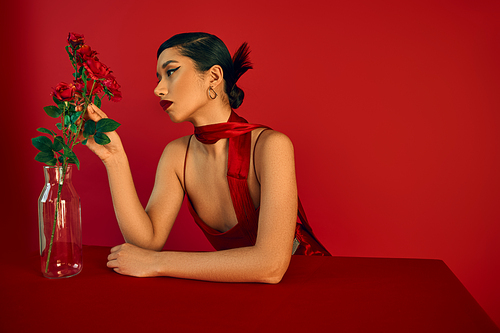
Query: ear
x=215 y=76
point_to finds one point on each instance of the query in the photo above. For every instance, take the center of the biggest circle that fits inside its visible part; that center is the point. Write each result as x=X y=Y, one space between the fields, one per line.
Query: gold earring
x=210 y=90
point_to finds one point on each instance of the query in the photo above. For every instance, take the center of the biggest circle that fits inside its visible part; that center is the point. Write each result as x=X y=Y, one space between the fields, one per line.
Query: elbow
x=158 y=247
x=153 y=246
x=274 y=273
x=273 y=279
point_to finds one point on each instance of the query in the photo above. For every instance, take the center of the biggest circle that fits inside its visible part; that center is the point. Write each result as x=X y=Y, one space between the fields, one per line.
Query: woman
x=239 y=178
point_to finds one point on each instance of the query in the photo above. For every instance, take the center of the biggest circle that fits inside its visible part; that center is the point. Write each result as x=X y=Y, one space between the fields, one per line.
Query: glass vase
x=60 y=225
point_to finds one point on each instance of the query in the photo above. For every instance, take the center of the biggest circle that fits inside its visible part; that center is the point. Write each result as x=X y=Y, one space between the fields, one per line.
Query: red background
x=393 y=107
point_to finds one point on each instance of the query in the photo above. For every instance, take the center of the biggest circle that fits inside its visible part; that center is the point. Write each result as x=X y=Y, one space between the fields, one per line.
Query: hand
x=128 y=259
x=106 y=151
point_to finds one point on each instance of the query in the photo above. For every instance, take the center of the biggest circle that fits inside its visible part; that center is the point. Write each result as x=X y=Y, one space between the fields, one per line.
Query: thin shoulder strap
x=255 y=148
x=184 y=168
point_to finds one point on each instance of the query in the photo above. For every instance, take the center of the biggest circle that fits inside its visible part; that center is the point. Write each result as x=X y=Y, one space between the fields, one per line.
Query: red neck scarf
x=235 y=126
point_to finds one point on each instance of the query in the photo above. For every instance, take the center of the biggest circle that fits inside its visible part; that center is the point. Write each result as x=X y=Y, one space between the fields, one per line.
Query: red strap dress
x=244 y=233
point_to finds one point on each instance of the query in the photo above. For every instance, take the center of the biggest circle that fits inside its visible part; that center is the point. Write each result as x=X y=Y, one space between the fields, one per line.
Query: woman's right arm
x=148 y=228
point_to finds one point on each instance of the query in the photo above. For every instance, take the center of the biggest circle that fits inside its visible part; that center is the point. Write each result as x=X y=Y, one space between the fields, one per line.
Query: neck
x=210 y=116
x=216 y=149
x=213 y=116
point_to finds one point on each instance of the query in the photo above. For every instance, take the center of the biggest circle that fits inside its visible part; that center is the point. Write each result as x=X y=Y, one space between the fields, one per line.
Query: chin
x=175 y=119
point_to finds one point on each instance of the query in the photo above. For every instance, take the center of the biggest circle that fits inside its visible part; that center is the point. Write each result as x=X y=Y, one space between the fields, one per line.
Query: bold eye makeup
x=171 y=71
x=168 y=72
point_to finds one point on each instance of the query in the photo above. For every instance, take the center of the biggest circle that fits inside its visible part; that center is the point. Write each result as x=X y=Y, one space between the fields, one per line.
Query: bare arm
x=266 y=262
x=148 y=228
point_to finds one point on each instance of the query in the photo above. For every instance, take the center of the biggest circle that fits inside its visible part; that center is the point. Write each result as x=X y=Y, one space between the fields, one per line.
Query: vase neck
x=55 y=174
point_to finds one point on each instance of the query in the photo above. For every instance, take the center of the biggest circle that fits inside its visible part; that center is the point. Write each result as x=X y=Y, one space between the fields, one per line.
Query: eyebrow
x=166 y=63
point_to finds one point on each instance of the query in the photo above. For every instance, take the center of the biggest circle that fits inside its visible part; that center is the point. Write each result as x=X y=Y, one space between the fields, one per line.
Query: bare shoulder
x=273 y=142
x=274 y=156
x=174 y=152
x=177 y=146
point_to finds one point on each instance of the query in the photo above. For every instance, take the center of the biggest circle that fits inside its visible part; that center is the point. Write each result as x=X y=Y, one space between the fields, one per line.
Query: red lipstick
x=165 y=104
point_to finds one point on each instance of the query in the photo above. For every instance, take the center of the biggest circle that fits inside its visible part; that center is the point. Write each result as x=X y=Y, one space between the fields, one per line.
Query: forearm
x=246 y=264
x=134 y=223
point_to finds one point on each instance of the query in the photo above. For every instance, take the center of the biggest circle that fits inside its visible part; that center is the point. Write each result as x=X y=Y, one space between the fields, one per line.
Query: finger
x=113 y=256
x=112 y=264
x=92 y=113
x=116 y=248
x=93 y=109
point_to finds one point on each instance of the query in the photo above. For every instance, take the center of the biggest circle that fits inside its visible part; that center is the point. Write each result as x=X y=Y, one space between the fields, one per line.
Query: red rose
x=92 y=85
x=85 y=53
x=113 y=87
x=96 y=70
x=111 y=83
x=79 y=85
x=117 y=96
x=64 y=91
x=75 y=40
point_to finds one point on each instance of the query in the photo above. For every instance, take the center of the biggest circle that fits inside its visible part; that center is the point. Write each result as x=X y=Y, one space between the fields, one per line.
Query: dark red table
x=317 y=294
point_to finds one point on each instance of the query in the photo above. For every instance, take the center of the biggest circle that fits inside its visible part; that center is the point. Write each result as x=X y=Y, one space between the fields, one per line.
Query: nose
x=161 y=89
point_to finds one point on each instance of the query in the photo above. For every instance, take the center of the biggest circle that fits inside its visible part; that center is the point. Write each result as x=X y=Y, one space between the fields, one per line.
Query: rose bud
x=75 y=40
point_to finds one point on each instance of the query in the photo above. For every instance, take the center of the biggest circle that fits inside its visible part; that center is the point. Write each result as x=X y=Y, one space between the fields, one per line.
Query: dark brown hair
x=207 y=50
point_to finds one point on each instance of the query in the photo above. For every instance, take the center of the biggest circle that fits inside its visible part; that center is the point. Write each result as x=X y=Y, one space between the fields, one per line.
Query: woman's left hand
x=128 y=259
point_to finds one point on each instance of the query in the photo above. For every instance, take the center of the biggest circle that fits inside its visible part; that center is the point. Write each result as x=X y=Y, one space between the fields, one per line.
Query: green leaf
x=73 y=128
x=107 y=125
x=60 y=104
x=58 y=143
x=46 y=157
x=52 y=111
x=63 y=144
x=73 y=159
x=75 y=116
x=66 y=149
x=59 y=126
x=101 y=138
x=84 y=142
x=67 y=120
x=89 y=128
x=46 y=131
x=42 y=143
x=71 y=156
x=97 y=101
